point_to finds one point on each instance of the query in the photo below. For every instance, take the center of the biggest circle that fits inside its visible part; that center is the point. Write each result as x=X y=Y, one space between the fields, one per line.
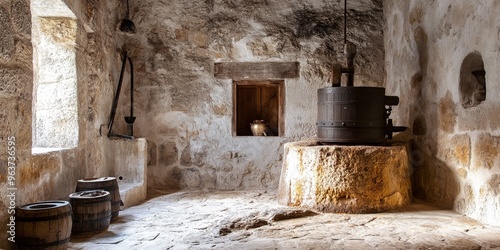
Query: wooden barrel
x=91 y=211
x=351 y=115
x=43 y=225
x=105 y=183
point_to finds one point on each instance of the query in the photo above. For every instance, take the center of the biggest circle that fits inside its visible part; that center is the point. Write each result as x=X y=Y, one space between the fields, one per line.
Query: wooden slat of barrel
x=43 y=225
x=105 y=183
x=91 y=211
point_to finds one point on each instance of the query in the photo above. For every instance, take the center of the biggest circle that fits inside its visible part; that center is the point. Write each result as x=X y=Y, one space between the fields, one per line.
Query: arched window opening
x=472 y=85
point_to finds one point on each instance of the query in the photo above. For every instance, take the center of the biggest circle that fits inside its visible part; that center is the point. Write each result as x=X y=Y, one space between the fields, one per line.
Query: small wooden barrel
x=105 y=183
x=91 y=211
x=43 y=225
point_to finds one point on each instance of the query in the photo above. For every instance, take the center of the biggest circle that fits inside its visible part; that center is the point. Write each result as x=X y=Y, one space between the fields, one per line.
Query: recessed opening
x=258 y=100
x=55 y=103
x=472 y=83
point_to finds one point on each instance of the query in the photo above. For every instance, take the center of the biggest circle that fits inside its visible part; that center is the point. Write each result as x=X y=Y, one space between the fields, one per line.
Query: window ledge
x=37 y=151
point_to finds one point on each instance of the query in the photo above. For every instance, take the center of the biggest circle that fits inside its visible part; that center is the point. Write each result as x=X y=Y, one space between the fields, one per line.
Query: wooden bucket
x=105 y=183
x=43 y=225
x=91 y=211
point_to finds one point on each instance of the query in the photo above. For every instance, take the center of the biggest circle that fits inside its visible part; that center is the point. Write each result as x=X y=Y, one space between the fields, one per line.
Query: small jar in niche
x=258 y=128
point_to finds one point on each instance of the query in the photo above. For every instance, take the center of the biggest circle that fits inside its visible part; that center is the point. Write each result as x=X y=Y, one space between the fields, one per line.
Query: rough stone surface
x=55 y=82
x=447 y=114
x=254 y=220
x=7 y=41
x=179 y=99
x=345 y=179
x=13 y=78
x=432 y=47
x=53 y=174
x=487 y=151
x=15 y=99
x=152 y=153
x=21 y=17
x=168 y=153
x=457 y=150
x=419 y=125
x=60 y=30
x=433 y=180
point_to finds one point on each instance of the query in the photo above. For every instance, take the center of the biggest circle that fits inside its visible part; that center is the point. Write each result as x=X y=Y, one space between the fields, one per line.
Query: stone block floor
x=254 y=220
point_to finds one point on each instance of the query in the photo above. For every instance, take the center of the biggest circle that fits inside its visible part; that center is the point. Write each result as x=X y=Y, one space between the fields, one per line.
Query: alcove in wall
x=55 y=104
x=258 y=100
x=472 y=84
x=258 y=93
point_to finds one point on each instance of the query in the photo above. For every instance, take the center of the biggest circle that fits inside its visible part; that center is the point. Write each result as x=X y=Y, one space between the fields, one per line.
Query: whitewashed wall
x=455 y=149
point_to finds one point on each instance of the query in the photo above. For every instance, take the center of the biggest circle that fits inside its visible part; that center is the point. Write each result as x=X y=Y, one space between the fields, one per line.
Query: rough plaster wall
x=455 y=150
x=185 y=113
x=53 y=175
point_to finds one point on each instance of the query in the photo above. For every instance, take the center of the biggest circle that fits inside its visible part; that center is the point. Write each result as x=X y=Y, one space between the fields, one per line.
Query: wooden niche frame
x=258 y=100
x=258 y=93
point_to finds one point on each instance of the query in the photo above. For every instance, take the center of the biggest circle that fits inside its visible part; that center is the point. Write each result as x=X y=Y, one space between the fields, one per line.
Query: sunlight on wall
x=55 y=103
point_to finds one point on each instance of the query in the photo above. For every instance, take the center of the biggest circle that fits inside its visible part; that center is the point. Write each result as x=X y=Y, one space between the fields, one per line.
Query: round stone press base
x=345 y=179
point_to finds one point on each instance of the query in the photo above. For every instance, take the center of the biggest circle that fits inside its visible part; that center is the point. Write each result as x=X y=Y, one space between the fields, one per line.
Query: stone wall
x=15 y=99
x=55 y=103
x=53 y=175
x=433 y=50
x=185 y=113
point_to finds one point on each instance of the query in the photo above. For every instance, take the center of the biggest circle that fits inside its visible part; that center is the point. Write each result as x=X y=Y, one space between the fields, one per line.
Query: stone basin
x=127 y=160
x=345 y=178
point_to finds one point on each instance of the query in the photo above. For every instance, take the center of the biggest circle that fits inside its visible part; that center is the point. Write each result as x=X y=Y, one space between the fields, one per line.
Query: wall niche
x=258 y=100
x=258 y=93
x=472 y=85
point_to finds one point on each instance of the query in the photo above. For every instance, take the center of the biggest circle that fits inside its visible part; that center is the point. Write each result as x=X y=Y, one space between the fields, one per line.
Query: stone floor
x=254 y=220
